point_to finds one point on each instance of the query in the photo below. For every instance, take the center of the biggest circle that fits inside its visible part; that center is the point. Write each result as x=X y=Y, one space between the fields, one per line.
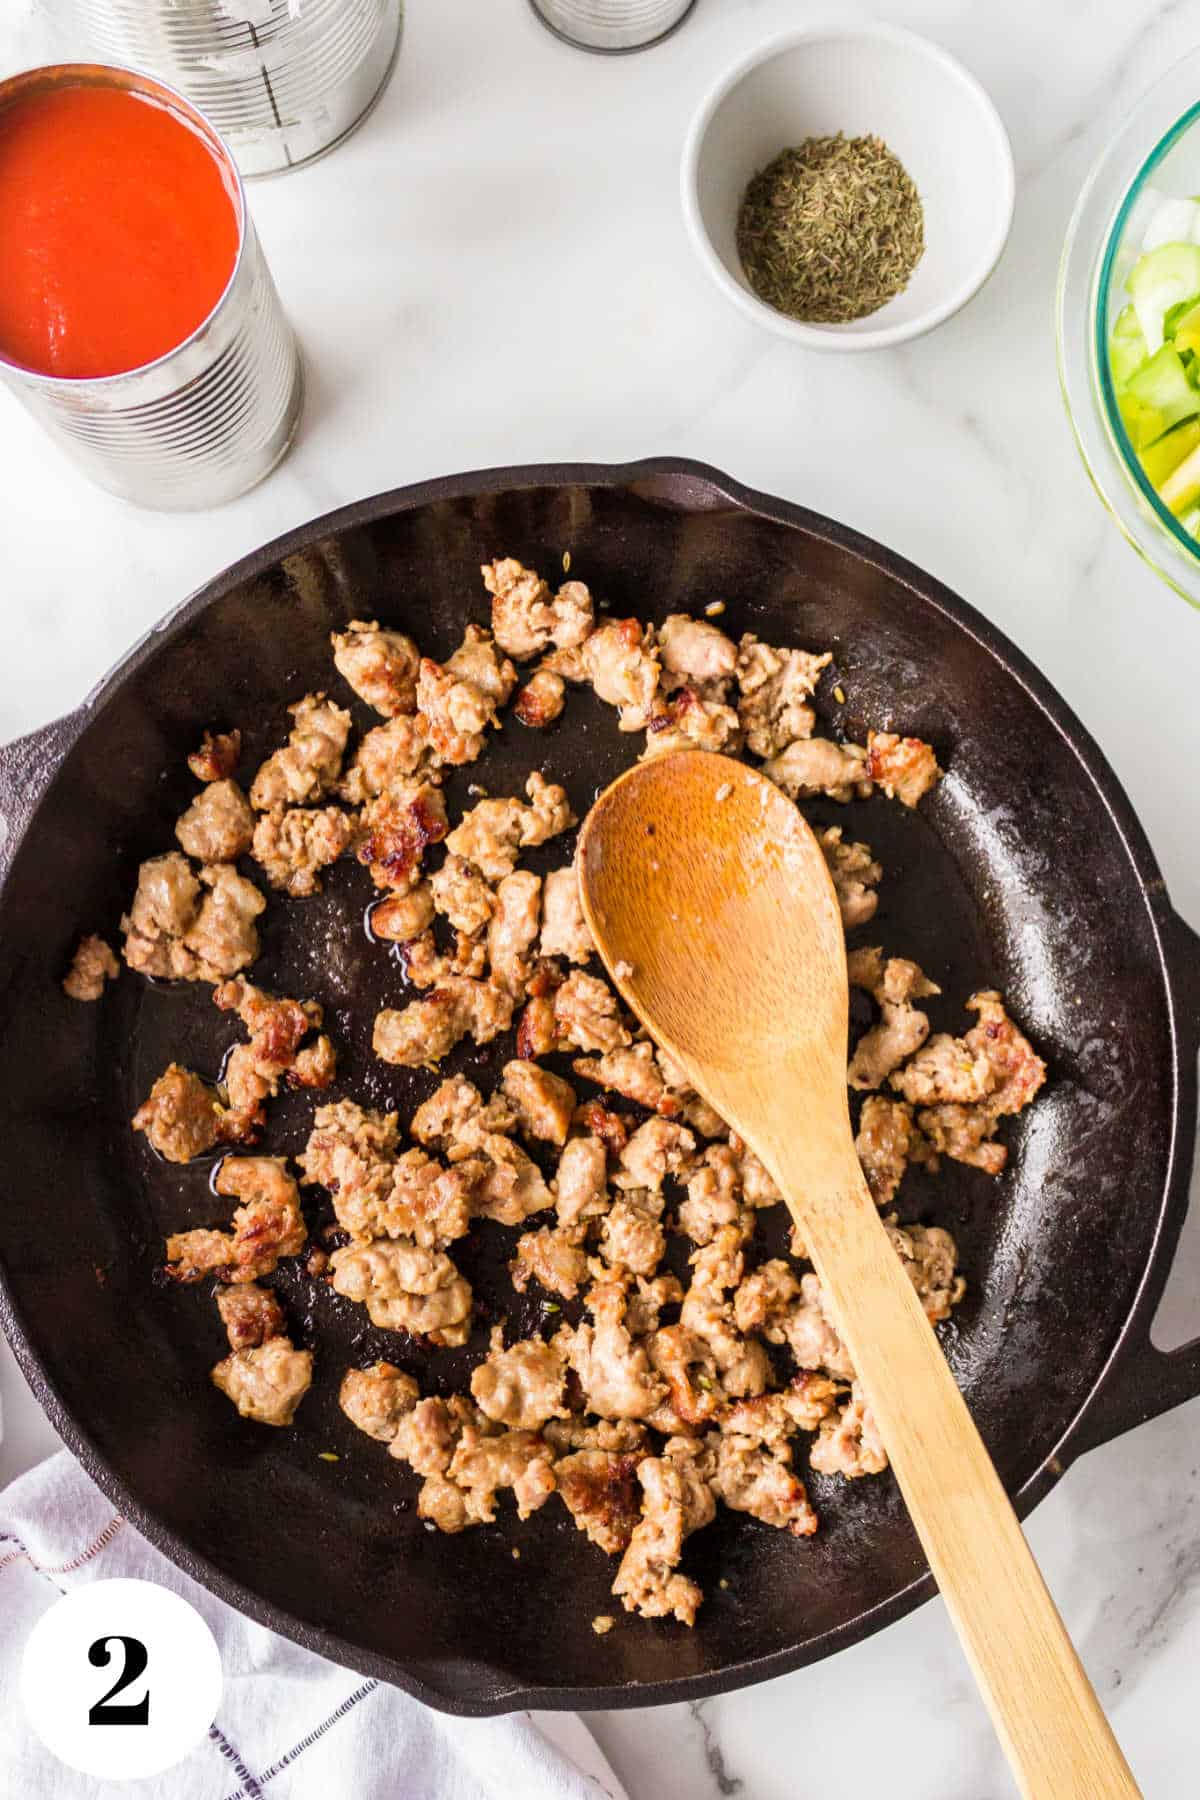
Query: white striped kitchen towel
x=290 y=1725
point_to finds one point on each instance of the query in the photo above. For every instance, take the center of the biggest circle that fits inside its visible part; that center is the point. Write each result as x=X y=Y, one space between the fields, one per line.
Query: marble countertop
x=494 y=270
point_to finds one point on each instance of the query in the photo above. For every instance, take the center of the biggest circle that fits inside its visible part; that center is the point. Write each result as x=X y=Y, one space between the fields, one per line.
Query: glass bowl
x=1155 y=155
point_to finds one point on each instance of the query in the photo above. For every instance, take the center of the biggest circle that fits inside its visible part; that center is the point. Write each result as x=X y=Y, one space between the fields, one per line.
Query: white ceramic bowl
x=860 y=80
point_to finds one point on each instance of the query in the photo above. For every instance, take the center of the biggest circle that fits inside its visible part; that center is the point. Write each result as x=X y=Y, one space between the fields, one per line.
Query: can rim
x=49 y=74
x=565 y=37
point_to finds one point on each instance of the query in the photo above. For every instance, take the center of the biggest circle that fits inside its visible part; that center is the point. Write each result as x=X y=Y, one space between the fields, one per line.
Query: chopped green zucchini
x=1144 y=425
x=1160 y=280
x=1168 y=451
x=1186 y=335
x=1162 y=385
x=1181 y=490
x=1126 y=346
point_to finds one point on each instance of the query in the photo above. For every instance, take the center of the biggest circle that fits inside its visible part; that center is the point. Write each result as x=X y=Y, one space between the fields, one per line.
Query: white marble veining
x=495 y=270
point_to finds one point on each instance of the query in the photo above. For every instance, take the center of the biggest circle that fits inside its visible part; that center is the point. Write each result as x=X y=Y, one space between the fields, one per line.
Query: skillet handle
x=1144 y=1381
x=27 y=765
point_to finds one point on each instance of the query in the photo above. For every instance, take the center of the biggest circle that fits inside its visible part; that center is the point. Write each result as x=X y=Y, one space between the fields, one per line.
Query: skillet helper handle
x=1053 y=1730
x=27 y=765
x=1144 y=1381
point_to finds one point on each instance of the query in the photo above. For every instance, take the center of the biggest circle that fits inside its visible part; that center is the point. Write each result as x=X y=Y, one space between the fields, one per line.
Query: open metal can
x=612 y=26
x=212 y=416
x=283 y=81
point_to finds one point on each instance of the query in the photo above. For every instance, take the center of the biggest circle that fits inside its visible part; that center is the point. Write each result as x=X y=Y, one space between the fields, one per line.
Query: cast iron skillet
x=1026 y=868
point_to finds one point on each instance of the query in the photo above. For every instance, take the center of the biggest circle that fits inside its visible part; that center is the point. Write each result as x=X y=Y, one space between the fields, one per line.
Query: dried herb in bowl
x=831 y=230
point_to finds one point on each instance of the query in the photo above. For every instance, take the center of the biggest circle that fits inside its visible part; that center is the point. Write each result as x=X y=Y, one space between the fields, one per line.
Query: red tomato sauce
x=118 y=230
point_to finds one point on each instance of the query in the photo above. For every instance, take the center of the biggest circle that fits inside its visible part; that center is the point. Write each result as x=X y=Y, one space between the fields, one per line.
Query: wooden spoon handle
x=1053 y=1730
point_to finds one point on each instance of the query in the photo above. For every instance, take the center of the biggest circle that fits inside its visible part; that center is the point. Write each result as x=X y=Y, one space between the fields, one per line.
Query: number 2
x=136 y=1659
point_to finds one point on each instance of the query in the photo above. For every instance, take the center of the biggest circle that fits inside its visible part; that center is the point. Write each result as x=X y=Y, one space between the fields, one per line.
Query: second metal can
x=283 y=81
x=612 y=26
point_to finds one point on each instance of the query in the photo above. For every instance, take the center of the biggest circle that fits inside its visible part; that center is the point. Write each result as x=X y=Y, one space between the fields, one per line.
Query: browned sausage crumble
x=91 y=966
x=657 y=1399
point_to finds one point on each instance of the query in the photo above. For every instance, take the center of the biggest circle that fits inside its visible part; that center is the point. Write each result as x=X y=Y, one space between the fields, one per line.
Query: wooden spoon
x=712 y=906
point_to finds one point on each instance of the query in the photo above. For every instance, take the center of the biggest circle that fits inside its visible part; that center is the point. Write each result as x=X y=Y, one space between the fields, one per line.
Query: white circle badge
x=121 y=1678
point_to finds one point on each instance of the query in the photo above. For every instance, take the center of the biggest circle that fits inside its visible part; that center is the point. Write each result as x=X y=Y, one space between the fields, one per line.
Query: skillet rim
x=681 y=481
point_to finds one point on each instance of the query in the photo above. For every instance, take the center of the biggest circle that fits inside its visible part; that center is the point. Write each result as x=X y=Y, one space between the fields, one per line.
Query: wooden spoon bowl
x=712 y=906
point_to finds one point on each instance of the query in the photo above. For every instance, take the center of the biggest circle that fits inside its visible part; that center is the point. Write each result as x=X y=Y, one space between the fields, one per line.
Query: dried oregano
x=830 y=231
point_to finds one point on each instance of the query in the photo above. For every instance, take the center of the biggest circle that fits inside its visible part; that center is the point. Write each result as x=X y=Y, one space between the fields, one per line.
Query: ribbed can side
x=612 y=24
x=204 y=426
x=282 y=80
